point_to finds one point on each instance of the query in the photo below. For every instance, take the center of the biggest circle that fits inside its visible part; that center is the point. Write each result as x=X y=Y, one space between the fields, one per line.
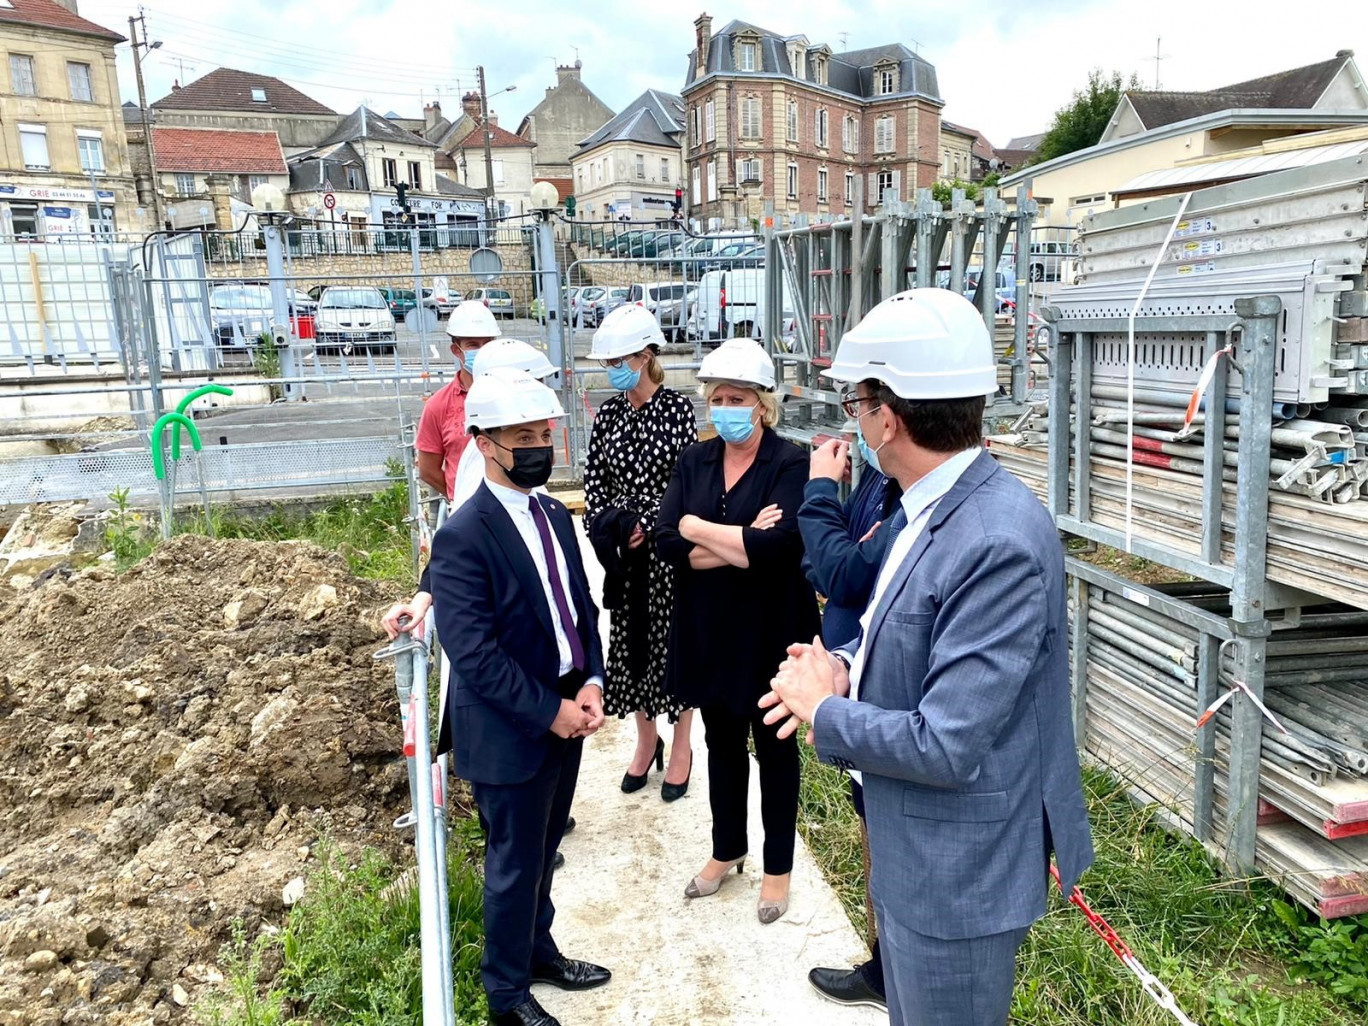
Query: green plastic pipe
x=159 y=429
x=184 y=405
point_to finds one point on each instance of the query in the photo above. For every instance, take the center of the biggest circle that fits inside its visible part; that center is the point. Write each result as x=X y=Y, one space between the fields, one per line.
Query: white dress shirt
x=516 y=503
x=918 y=504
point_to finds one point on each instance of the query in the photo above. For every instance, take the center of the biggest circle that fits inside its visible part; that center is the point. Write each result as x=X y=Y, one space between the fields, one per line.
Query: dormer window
x=819 y=70
x=746 y=52
x=259 y=95
x=885 y=78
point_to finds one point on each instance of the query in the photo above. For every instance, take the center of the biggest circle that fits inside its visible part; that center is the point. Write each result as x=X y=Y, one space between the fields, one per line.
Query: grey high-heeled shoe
x=702 y=887
x=771 y=911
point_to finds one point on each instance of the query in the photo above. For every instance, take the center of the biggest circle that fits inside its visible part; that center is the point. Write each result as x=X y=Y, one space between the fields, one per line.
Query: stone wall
x=394 y=269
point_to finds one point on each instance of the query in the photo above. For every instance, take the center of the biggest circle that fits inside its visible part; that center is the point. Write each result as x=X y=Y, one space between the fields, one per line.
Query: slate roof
x=218 y=150
x=850 y=72
x=1029 y=143
x=449 y=187
x=50 y=14
x=309 y=171
x=229 y=89
x=652 y=119
x=364 y=123
x=1298 y=88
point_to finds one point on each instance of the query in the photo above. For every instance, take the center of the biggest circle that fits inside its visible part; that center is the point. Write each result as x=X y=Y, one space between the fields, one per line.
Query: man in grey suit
x=953 y=702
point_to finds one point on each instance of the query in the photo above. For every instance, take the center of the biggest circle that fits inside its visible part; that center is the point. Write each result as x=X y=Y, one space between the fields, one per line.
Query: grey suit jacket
x=962 y=726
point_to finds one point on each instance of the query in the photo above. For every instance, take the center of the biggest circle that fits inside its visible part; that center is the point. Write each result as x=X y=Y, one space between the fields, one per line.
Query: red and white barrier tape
x=1236 y=686
x=1203 y=383
x=1152 y=985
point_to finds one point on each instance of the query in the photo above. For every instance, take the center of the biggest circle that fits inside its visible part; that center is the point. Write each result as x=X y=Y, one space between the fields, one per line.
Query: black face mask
x=531 y=467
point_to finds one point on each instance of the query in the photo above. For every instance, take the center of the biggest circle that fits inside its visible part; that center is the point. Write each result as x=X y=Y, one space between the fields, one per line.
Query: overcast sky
x=1004 y=65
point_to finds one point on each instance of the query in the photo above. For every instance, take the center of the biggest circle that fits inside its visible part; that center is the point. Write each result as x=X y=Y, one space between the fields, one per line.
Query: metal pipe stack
x=1208 y=410
x=1142 y=711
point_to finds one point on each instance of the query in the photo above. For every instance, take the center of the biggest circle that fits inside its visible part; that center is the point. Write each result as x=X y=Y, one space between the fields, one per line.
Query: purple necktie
x=557 y=589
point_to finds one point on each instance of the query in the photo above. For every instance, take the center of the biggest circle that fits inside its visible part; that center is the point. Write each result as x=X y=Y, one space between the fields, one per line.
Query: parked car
x=443 y=305
x=1005 y=287
x=673 y=314
x=499 y=301
x=352 y=317
x=746 y=253
x=241 y=312
x=651 y=294
x=583 y=300
x=595 y=311
x=732 y=302
x=401 y=301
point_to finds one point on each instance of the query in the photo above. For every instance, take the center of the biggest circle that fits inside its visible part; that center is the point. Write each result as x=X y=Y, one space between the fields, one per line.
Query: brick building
x=775 y=118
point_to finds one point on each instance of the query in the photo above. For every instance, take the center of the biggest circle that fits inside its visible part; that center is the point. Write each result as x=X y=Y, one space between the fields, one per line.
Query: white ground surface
x=620 y=902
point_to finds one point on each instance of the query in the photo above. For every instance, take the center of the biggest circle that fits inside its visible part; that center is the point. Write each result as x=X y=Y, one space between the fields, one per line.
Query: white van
x=731 y=303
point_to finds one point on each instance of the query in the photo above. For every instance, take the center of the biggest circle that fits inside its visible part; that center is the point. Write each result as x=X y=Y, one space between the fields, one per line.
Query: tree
x=1081 y=123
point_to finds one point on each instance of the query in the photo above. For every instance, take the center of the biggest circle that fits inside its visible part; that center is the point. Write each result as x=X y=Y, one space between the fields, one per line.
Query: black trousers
x=726 y=733
x=524 y=825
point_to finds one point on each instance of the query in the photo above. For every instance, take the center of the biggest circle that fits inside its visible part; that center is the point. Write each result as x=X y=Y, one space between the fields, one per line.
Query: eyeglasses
x=850 y=402
x=617 y=362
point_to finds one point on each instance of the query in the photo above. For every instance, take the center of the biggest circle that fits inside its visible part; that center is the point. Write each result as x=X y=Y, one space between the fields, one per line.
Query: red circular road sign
x=329 y=200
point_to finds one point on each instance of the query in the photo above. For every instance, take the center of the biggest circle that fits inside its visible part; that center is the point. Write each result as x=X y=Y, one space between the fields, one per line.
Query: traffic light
x=401 y=190
x=678 y=200
x=569 y=206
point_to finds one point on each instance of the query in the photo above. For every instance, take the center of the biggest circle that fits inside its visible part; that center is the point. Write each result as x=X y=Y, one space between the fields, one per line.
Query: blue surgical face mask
x=623 y=378
x=465 y=360
x=733 y=423
x=870 y=456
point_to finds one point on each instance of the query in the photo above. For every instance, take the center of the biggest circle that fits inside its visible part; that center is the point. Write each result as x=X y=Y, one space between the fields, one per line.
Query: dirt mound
x=171 y=741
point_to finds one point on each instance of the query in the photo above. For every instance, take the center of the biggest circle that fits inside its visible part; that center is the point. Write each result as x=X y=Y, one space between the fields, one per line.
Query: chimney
x=175 y=86
x=70 y=5
x=565 y=72
x=470 y=103
x=493 y=119
x=1344 y=54
x=432 y=114
x=704 y=39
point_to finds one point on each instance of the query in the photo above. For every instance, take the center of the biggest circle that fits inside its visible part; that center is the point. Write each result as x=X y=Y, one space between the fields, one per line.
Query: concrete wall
x=297 y=132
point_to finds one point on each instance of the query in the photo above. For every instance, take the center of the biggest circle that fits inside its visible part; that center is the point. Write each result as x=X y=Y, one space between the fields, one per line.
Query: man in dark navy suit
x=517 y=620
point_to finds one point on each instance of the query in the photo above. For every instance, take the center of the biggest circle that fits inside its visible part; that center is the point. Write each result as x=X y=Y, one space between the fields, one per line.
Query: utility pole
x=137 y=46
x=488 y=152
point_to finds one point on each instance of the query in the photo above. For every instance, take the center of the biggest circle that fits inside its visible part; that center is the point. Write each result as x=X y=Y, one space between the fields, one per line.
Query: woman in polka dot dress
x=637 y=438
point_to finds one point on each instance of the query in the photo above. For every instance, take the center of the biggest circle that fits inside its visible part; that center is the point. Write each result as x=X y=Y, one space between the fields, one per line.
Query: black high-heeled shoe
x=673 y=792
x=631 y=782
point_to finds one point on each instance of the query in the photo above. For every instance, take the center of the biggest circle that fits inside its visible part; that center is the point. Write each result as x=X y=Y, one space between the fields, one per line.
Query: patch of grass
x=369 y=531
x=349 y=954
x=1233 y=952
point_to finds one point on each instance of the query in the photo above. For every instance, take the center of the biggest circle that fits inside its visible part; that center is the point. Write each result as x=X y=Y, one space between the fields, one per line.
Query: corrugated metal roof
x=1240 y=167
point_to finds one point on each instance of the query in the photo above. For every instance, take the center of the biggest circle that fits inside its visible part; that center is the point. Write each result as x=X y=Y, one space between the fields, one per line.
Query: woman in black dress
x=728 y=524
x=637 y=438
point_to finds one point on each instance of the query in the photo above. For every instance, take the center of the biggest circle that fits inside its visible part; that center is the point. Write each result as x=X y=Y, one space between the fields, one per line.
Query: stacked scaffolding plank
x=1253 y=298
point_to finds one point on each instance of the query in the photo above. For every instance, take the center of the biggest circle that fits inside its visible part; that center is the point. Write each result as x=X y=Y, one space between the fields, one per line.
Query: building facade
x=956 y=153
x=775 y=120
x=244 y=101
x=566 y=116
x=65 y=167
x=512 y=163
x=630 y=168
x=187 y=158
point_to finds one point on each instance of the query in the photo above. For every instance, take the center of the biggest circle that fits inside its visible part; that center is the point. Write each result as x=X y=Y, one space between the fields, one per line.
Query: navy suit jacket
x=495 y=625
x=836 y=562
x=962 y=726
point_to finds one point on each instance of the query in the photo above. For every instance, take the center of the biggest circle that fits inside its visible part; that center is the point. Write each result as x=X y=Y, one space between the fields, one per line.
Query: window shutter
x=872 y=190
x=897 y=184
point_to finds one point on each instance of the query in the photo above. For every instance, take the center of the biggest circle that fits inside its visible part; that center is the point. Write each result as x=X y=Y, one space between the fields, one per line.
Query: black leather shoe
x=673 y=792
x=632 y=783
x=571 y=974
x=557 y=862
x=529 y=1013
x=570 y=824
x=846 y=987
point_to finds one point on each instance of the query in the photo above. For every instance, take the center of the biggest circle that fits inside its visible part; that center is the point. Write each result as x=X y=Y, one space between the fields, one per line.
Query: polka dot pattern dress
x=632 y=453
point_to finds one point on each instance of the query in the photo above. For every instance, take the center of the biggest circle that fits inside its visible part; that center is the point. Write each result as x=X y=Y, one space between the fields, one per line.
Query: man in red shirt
x=442 y=434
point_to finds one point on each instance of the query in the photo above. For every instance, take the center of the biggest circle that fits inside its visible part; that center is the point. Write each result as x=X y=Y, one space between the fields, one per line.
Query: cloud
x=1004 y=66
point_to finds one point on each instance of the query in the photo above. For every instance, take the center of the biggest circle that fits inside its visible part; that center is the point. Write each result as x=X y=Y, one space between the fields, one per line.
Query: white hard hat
x=739 y=361
x=923 y=344
x=628 y=329
x=512 y=352
x=507 y=396
x=471 y=319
